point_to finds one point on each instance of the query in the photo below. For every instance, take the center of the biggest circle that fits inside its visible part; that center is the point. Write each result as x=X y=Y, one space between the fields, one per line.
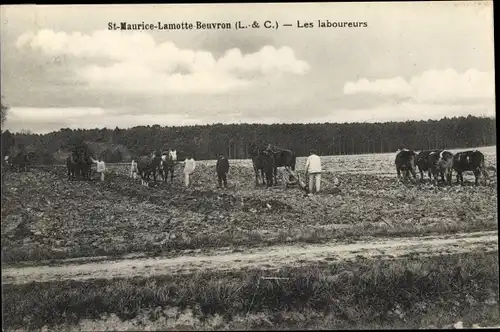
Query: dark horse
x=73 y=166
x=405 y=163
x=148 y=165
x=86 y=167
x=20 y=162
x=264 y=161
x=168 y=161
x=283 y=158
x=280 y=157
x=79 y=166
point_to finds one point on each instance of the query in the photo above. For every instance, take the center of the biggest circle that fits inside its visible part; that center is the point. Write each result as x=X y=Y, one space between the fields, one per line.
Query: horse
x=264 y=161
x=86 y=163
x=284 y=158
x=441 y=163
x=73 y=166
x=470 y=161
x=79 y=166
x=422 y=162
x=168 y=161
x=20 y=162
x=147 y=165
x=281 y=157
x=405 y=163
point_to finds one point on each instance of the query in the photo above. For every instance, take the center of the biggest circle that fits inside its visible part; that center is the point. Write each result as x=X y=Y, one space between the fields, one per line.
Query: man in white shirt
x=313 y=172
x=189 y=166
x=100 y=167
x=133 y=170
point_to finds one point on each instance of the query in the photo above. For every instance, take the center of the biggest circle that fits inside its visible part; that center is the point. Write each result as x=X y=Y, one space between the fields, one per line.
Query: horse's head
x=156 y=160
x=253 y=150
x=88 y=159
x=73 y=158
x=31 y=156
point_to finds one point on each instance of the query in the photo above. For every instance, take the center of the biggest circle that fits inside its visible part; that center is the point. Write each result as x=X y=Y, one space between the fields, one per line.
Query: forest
x=206 y=141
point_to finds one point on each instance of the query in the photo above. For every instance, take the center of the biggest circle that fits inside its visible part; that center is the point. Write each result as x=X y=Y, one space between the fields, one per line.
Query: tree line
x=207 y=141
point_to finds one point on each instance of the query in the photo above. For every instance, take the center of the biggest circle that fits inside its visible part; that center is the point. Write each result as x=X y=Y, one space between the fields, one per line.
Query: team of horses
x=441 y=164
x=79 y=166
x=18 y=162
x=158 y=163
x=267 y=160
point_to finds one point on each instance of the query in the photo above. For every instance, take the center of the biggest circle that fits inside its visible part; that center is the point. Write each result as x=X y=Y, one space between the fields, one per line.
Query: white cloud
x=142 y=65
x=34 y=114
x=432 y=86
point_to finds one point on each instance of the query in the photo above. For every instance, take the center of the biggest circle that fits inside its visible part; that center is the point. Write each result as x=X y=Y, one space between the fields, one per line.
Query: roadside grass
x=408 y=293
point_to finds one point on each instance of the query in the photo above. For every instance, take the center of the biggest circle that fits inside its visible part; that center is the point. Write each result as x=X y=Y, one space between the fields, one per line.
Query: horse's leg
x=413 y=173
x=477 y=174
x=269 y=176
x=172 y=174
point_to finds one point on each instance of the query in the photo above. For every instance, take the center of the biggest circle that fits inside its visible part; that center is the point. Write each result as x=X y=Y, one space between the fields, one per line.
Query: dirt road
x=264 y=258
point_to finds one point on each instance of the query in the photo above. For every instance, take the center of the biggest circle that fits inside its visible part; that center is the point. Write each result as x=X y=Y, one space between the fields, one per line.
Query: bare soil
x=45 y=216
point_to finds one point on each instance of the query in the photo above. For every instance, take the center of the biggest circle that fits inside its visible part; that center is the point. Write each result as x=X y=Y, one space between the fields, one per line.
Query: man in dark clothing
x=222 y=168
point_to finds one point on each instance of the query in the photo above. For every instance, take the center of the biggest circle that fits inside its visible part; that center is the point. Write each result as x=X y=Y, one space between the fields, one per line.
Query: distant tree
x=8 y=142
x=25 y=132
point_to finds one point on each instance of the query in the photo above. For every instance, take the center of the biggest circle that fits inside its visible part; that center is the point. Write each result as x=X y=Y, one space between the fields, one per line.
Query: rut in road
x=265 y=258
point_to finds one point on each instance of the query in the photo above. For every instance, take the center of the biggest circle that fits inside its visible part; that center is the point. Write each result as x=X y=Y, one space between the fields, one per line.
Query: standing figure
x=189 y=166
x=133 y=170
x=222 y=169
x=313 y=172
x=101 y=168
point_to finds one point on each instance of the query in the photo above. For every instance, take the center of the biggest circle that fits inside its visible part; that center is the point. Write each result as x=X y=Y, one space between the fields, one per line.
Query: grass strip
x=400 y=292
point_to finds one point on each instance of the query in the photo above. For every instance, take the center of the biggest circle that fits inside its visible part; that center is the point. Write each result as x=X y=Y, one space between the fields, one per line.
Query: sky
x=61 y=67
